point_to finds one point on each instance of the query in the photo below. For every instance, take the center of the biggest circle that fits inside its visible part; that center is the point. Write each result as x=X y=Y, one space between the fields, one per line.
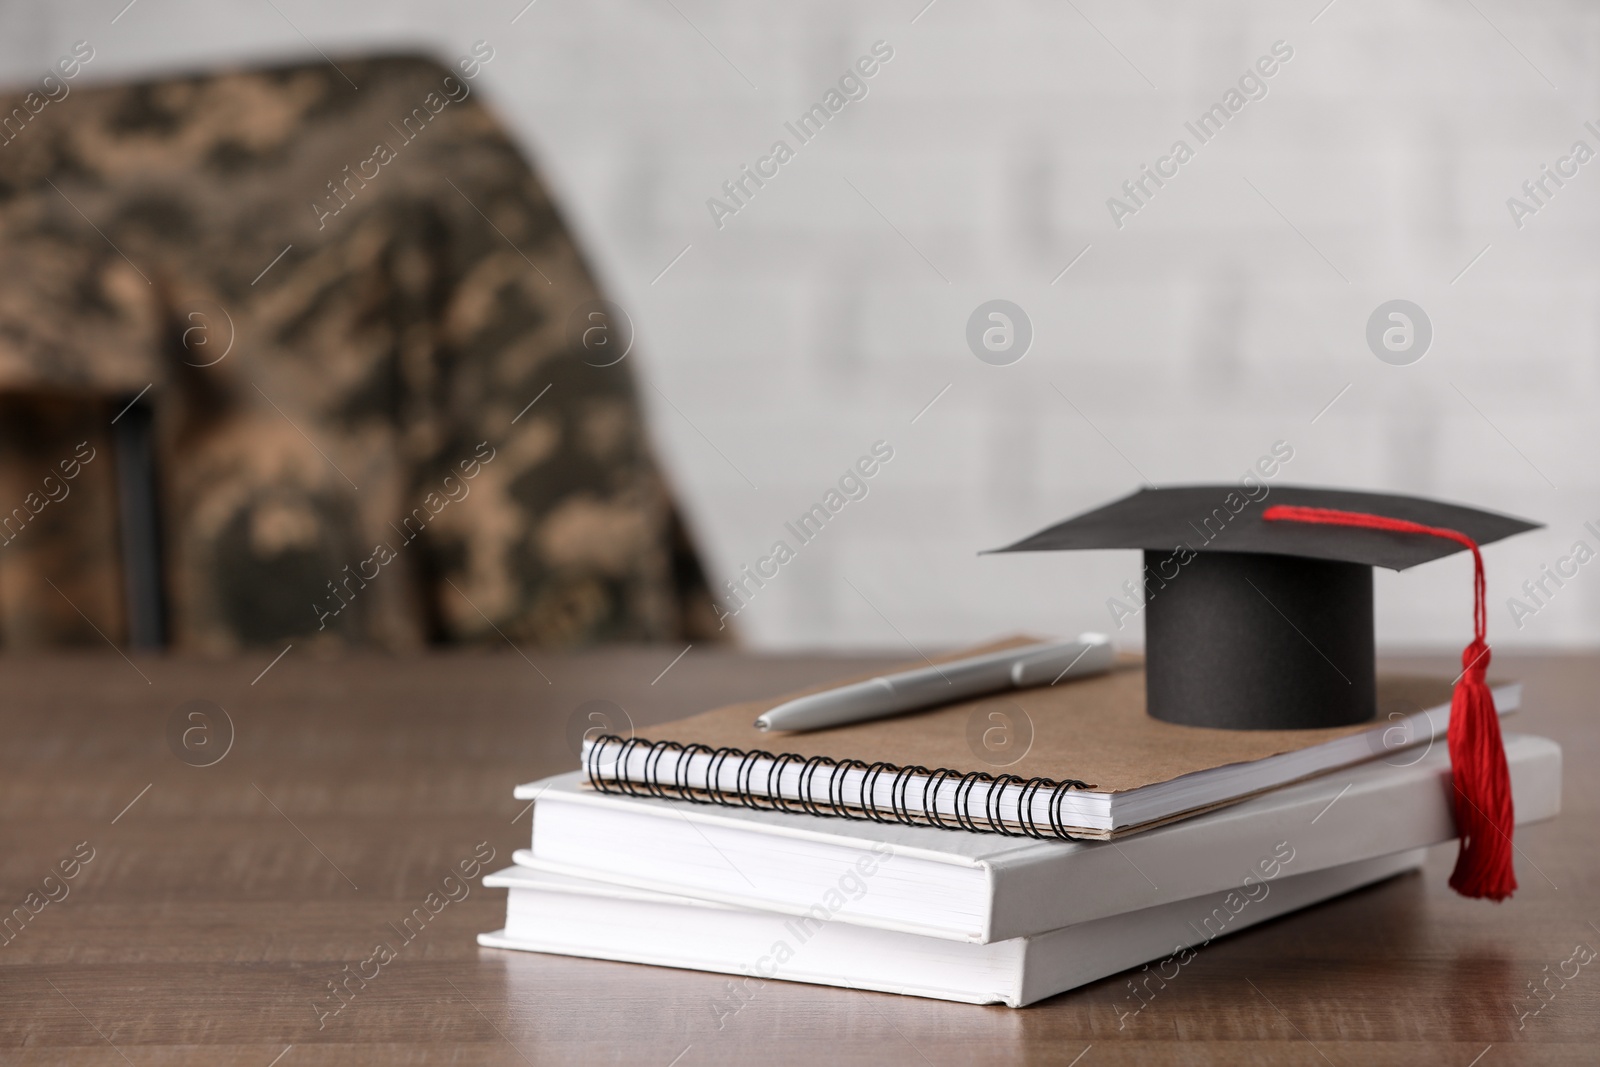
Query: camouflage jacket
x=389 y=405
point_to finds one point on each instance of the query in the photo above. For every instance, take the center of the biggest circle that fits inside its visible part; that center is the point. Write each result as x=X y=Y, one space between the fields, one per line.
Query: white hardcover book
x=985 y=887
x=569 y=916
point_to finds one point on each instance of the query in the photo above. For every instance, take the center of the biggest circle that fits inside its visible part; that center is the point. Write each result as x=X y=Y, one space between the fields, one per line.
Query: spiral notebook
x=1092 y=763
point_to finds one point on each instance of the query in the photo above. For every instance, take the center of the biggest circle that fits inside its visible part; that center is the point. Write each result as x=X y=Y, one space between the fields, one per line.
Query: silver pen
x=1014 y=668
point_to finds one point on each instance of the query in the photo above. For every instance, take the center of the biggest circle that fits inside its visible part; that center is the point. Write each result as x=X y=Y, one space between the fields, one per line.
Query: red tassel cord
x=1484 y=819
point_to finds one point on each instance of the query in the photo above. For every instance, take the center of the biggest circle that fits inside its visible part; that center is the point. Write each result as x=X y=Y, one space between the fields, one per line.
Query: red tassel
x=1484 y=816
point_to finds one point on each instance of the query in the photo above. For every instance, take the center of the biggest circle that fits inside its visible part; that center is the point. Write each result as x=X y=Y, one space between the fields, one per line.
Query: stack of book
x=841 y=859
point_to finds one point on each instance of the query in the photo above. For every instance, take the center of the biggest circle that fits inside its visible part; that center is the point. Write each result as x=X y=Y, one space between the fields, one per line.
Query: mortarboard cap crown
x=1255 y=624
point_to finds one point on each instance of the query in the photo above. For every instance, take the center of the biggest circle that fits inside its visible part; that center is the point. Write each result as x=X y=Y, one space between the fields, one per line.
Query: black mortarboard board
x=1253 y=624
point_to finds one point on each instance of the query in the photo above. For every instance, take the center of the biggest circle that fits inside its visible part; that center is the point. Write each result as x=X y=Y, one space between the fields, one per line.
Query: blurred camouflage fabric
x=345 y=444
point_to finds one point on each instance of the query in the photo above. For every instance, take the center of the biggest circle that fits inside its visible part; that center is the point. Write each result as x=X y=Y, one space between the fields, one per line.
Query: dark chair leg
x=140 y=525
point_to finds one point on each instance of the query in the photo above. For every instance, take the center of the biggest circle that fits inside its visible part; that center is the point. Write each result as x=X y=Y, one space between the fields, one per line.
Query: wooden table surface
x=220 y=900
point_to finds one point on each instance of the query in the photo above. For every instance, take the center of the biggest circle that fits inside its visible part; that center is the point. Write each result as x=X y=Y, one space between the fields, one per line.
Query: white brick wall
x=1193 y=337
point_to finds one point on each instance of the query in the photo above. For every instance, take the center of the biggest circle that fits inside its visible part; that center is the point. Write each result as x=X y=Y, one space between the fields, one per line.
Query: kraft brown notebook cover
x=1091 y=741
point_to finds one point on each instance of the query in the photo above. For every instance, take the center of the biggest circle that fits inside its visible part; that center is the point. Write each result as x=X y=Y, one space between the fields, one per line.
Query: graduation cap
x=1260 y=617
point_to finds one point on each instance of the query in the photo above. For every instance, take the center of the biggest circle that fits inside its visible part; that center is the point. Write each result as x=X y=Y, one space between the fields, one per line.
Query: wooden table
x=221 y=899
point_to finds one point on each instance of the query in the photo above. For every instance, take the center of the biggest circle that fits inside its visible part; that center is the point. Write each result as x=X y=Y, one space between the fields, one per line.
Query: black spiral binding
x=608 y=759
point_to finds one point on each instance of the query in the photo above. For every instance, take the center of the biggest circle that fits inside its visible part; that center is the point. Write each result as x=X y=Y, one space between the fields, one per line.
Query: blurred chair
x=357 y=368
x=60 y=564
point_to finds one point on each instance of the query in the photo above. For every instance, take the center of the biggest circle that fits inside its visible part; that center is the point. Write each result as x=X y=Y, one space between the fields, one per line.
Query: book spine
x=984 y=803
